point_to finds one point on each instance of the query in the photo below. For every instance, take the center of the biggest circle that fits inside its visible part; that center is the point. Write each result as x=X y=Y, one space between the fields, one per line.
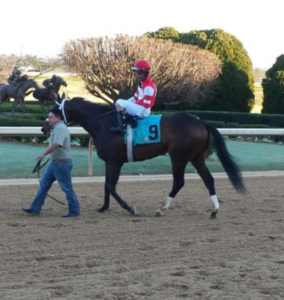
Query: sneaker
x=70 y=215
x=30 y=211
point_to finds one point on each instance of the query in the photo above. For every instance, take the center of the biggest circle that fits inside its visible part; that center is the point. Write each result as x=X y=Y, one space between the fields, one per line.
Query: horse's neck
x=56 y=88
x=90 y=122
x=25 y=85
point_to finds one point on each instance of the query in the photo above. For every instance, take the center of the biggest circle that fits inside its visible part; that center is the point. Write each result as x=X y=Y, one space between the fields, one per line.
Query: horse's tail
x=226 y=159
x=29 y=92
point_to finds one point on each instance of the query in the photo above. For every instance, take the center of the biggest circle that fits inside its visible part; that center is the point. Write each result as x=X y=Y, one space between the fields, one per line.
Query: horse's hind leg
x=178 y=167
x=204 y=173
x=114 y=172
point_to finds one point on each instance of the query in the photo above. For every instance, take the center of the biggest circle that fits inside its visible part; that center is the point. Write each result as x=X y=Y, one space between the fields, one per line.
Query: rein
x=37 y=169
x=103 y=115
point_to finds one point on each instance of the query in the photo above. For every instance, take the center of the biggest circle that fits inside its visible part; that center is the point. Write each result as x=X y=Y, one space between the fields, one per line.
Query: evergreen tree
x=235 y=89
x=273 y=88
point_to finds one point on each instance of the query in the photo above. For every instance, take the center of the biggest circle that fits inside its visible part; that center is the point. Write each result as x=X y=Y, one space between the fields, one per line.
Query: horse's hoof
x=213 y=215
x=102 y=209
x=133 y=211
x=158 y=213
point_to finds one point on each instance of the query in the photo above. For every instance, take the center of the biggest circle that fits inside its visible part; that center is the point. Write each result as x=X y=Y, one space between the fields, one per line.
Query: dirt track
x=183 y=255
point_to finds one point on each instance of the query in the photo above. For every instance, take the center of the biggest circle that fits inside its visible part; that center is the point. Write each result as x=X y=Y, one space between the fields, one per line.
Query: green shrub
x=30 y=108
x=273 y=88
x=166 y=33
x=14 y=121
x=234 y=92
x=240 y=119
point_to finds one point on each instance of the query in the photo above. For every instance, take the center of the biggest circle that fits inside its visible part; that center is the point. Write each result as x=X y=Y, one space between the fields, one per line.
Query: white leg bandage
x=164 y=207
x=168 y=203
x=215 y=202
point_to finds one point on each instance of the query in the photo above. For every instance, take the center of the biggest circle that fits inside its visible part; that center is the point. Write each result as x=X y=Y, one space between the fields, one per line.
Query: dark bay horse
x=7 y=91
x=50 y=93
x=184 y=137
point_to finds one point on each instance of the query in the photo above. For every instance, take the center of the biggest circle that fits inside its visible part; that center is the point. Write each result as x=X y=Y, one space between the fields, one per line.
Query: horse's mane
x=91 y=106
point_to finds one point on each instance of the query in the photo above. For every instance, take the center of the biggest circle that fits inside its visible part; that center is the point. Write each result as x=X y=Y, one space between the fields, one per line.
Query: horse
x=50 y=93
x=183 y=136
x=19 y=93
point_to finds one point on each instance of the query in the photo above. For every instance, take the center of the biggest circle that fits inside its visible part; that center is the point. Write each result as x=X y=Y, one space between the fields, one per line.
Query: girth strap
x=129 y=145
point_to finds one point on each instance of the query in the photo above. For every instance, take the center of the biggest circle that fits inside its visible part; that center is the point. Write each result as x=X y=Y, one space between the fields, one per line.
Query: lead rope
x=37 y=169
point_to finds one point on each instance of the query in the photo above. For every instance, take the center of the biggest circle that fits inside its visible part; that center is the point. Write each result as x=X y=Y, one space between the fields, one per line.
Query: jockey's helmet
x=142 y=66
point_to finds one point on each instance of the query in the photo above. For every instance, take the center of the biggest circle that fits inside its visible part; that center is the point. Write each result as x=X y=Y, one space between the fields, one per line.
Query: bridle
x=61 y=107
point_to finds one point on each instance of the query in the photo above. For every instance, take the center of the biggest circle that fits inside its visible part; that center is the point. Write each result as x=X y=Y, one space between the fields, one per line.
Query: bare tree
x=183 y=73
x=7 y=64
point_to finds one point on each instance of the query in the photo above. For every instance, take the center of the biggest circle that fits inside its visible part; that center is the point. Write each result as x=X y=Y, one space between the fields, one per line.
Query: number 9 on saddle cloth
x=144 y=131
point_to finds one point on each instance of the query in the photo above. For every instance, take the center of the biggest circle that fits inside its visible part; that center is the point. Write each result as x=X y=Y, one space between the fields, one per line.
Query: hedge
x=244 y=119
x=30 y=108
x=20 y=121
x=218 y=119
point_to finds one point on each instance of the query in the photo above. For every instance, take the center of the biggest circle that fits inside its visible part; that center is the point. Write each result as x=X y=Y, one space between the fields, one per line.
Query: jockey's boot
x=121 y=124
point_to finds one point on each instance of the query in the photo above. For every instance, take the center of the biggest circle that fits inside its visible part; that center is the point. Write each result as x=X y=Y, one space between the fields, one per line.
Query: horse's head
x=60 y=103
x=46 y=127
x=58 y=81
x=34 y=84
x=65 y=116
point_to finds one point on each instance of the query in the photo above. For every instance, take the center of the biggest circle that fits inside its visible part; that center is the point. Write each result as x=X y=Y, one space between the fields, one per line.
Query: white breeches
x=132 y=108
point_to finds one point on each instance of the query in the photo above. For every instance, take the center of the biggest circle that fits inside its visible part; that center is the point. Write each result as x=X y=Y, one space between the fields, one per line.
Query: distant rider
x=16 y=79
x=50 y=83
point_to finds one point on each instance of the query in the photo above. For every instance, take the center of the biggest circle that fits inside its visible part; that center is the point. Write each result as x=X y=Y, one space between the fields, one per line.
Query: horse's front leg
x=107 y=193
x=22 y=103
x=2 y=99
x=14 y=105
x=114 y=172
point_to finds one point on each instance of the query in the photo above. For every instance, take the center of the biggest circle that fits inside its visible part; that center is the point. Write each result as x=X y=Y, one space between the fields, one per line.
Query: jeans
x=62 y=173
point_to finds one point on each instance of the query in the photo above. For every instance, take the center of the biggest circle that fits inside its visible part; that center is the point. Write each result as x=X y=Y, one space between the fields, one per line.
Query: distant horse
x=184 y=137
x=50 y=93
x=19 y=93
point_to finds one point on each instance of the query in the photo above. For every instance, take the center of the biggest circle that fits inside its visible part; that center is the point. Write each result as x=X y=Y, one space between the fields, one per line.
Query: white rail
x=79 y=131
x=36 y=131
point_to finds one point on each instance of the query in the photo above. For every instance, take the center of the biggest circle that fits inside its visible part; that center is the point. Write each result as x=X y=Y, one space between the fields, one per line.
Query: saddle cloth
x=148 y=131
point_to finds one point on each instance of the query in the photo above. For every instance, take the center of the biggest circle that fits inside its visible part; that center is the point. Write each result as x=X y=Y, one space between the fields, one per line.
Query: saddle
x=132 y=120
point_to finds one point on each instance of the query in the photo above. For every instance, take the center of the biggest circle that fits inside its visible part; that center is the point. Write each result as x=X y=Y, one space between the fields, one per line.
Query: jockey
x=50 y=83
x=16 y=79
x=140 y=104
